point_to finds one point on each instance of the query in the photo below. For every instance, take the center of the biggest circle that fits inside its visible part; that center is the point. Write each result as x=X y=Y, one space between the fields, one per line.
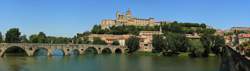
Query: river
x=108 y=63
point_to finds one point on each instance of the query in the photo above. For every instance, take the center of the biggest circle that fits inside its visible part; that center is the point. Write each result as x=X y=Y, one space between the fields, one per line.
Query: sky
x=68 y=17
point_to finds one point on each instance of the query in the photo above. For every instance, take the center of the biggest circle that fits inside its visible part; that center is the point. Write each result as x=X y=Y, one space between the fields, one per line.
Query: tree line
x=13 y=35
x=177 y=27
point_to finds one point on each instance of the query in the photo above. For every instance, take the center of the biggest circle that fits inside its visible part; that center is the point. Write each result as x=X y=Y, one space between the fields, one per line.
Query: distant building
x=240 y=29
x=146 y=38
x=193 y=36
x=127 y=19
x=244 y=38
x=109 y=38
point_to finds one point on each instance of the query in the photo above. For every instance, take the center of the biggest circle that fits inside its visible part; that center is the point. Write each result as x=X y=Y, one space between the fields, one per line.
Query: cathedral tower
x=128 y=13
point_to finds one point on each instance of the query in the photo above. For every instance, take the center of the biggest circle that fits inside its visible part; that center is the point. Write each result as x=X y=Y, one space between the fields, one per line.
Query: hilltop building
x=127 y=19
x=241 y=28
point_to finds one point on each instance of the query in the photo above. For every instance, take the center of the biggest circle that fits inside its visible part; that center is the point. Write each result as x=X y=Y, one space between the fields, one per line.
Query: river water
x=108 y=63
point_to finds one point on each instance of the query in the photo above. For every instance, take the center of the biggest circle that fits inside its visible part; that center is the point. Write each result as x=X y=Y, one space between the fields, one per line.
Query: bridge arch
x=41 y=52
x=106 y=51
x=57 y=52
x=74 y=52
x=14 y=51
x=118 y=51
x=91 y=50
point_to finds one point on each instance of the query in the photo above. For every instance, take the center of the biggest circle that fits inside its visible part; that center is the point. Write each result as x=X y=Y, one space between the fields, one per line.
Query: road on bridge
x=233 y=61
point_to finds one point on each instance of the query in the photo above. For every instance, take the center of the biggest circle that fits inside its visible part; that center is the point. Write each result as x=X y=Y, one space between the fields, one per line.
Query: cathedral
x=127 y=19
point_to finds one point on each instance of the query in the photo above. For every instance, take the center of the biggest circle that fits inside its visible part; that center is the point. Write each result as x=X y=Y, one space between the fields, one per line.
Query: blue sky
x=68 y=17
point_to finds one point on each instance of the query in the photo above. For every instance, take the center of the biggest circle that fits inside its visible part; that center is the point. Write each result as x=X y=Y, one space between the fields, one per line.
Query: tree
x=99 y=41
x=13 y=36
x=97 y=29
x=1 y=37
x=212 y=42
x=24 y=39
x=133 y=44
x=175 y=43
x=41 y=37
x=196 y=47
x=33 y=38
x=158 y=43
x=115 y=43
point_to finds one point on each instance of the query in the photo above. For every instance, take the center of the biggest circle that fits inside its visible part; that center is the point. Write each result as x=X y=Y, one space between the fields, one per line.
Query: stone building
x=127 y=19
x=109 y=38
x=146 y=38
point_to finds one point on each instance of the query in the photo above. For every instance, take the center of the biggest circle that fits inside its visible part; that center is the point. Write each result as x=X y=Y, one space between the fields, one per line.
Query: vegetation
x=170 y=43
x=13 y=36
x=196 y=48
x=176 y=27
x=246 y=46
x=99 y=41
x=40 y=38
x=24 y=39
x=116 y=43
x=133 y=44
x=58 y=40
x=174 y=40
x=212 y=42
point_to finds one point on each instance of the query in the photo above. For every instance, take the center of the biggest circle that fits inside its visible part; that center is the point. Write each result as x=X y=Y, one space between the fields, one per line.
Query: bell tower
x=128 y=13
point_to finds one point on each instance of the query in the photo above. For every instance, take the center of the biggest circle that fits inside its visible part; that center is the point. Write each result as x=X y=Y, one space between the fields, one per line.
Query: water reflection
x=110 y=62
x=41 y=52
x=57 y=52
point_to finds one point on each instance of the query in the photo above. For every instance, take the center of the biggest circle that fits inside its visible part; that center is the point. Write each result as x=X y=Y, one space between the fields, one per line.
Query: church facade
x=127 y=19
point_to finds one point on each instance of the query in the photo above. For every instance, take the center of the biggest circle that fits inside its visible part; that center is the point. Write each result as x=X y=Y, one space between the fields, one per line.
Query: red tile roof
x=244 y=35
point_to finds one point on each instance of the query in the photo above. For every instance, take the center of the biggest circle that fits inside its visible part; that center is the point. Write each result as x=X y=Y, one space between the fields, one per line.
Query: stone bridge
x=31 y=48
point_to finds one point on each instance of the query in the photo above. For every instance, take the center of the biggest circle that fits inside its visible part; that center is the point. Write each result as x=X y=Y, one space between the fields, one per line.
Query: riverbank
x=181 y=54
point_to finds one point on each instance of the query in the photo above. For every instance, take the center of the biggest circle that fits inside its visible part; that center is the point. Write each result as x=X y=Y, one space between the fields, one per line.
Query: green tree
x=97 y=29
x=41 y=37
x=115 y=43
x=13 y=36
x=212 y=42
x=99 y=41
x=33 y=38
x=1 y=37
x=175 y=43
x=133 y=44
x=159 y=43
x=24 y=39
x=196 y=47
